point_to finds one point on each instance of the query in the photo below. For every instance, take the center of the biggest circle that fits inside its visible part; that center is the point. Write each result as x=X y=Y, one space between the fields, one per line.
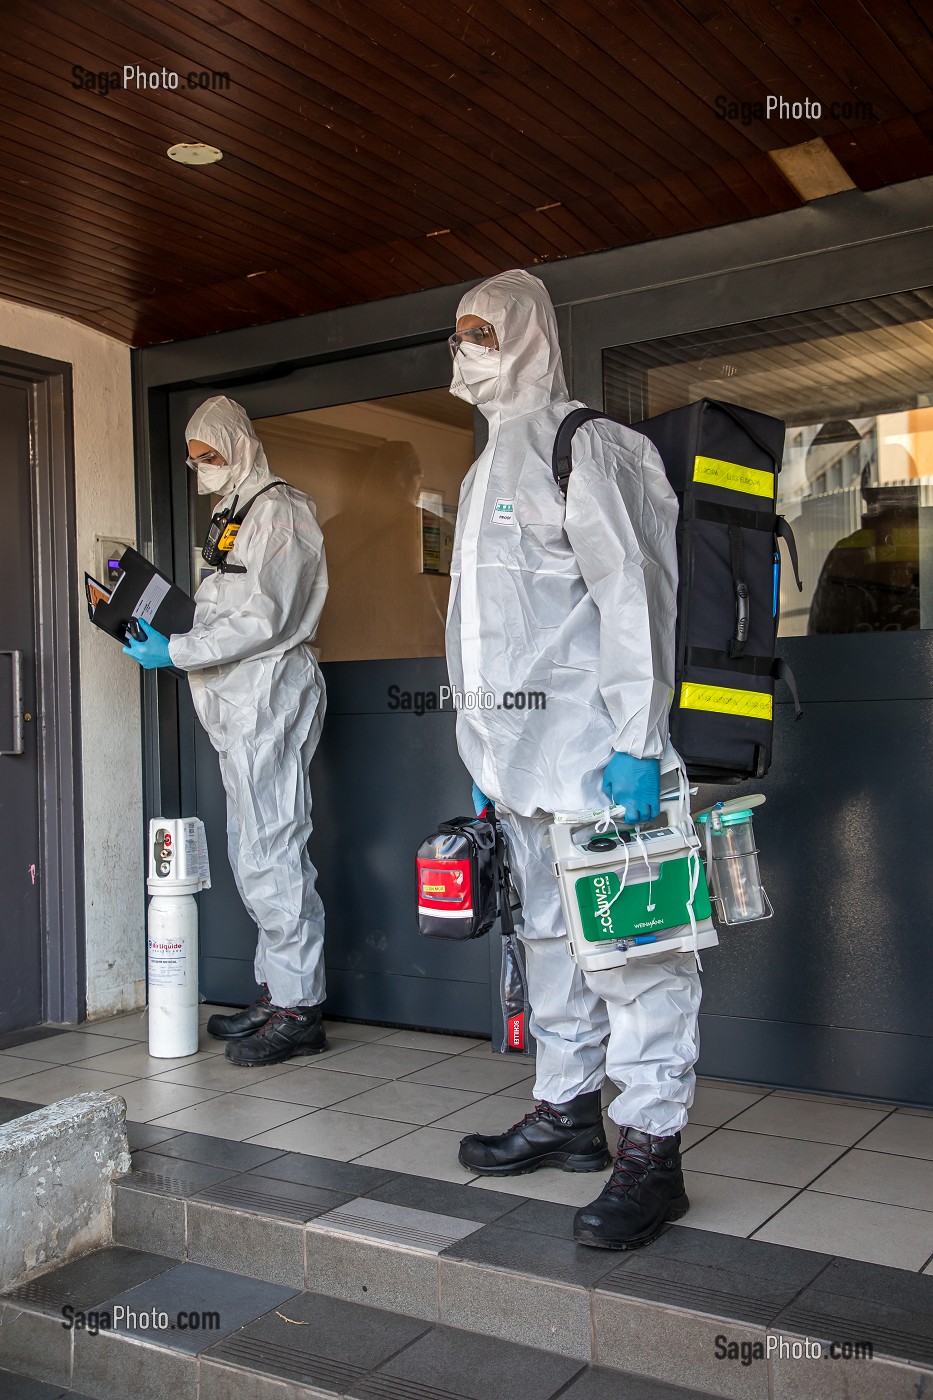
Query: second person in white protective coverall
x=259 y=693
x=574 y=600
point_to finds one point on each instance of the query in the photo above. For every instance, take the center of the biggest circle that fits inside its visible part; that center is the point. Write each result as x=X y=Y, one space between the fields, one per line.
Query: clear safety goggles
x=483 y=336
x=209 y=459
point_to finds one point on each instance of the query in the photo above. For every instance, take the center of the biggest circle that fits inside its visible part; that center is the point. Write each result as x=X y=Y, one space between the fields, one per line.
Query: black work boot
x=568 y=1135
x=245 y=1022
x=644 y=1192
x=290 y=1030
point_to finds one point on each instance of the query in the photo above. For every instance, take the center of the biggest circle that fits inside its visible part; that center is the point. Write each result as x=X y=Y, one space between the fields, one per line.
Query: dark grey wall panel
x=822 y=1059
x=362 y=687
x=879 y=666
x=844 y=841
x=222 y=980
x=381 y=780
x=383 y=783
x=409 y=1001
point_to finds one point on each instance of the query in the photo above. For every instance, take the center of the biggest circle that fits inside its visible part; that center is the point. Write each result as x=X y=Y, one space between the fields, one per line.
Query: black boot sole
x=279 y=1058
x=567 y=1161
x=676 y=1211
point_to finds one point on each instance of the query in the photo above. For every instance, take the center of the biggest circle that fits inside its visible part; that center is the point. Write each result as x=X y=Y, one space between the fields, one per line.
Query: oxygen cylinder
x=173 y=976
x=178 y=869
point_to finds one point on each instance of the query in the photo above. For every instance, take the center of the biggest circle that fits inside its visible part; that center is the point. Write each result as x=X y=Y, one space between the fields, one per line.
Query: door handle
x=19 y=746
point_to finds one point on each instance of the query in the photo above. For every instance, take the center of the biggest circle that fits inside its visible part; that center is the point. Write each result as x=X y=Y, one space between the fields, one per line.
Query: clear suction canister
x=732 y=867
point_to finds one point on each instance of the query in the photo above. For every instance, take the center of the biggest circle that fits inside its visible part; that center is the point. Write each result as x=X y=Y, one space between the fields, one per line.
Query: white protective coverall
x=574 y=600
x=259 y=693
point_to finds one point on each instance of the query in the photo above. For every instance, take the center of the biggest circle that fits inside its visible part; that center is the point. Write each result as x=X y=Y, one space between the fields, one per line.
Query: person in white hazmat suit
x=259 y=693
x=576 y=600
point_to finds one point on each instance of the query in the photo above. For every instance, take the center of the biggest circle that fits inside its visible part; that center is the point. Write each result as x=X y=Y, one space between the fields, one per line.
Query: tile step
x=269 y=1357
x=660 y=1312
x=694 y=1315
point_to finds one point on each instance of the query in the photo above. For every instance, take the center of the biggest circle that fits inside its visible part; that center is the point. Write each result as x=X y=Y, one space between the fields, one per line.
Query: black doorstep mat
x=10 y=1039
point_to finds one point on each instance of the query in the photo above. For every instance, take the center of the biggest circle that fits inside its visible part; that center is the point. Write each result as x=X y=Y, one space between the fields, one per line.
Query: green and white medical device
x=630 y=893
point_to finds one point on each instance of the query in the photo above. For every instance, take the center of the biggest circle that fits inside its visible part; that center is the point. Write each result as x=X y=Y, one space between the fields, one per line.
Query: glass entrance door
x=384 y=472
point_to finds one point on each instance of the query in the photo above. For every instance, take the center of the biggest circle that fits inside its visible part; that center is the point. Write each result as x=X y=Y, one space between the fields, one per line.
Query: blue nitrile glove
x=151 y=653
x=480 y=800
x=635 y=784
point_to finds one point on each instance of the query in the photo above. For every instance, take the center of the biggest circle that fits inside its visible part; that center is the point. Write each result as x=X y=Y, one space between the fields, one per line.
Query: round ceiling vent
x=194 y=153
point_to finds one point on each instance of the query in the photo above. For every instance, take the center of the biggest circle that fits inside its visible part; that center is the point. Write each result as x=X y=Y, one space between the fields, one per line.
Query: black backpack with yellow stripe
x=723 y=462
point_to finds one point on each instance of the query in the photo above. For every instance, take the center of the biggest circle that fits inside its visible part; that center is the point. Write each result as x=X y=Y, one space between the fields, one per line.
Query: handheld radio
x=224 y=528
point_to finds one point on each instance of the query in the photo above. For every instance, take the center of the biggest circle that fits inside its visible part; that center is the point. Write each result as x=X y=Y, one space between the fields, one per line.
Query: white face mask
x=213 y=480
x=476 y=373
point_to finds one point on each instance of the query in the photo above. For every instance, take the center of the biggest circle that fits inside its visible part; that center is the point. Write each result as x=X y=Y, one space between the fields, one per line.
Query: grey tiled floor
x=844 y=1177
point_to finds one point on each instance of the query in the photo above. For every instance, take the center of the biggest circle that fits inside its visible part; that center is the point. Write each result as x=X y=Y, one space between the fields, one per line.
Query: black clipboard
x=143 y=591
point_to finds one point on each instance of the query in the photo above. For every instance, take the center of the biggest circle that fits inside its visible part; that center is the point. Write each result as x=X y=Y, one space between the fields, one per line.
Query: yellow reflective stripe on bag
x=752 y=704
x=732 y=476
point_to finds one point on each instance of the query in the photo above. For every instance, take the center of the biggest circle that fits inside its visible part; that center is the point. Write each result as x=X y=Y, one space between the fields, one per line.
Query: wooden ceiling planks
x=257 y=120
x=396 y=145
x=639 y=63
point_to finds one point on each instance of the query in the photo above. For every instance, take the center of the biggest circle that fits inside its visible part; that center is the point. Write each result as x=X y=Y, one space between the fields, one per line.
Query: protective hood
x=226 y=427
x=526 y=373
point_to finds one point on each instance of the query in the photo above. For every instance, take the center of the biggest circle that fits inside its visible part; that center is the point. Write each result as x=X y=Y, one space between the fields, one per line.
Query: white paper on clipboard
x=150 y=598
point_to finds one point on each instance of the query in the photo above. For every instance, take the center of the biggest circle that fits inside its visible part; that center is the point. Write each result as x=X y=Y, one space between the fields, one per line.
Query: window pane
x=385 y=477
x=854 y=385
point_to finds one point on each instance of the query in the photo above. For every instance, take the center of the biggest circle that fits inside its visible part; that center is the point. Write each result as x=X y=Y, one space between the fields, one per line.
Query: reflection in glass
x=373 y=549
x=385 y=477
x=855 y=386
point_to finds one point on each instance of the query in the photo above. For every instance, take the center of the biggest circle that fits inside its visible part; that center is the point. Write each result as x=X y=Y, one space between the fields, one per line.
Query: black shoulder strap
x=561 y=463
x=244 y=510
x=782 y=672
x=504 y=882
x=785 y=533
x=237 y=519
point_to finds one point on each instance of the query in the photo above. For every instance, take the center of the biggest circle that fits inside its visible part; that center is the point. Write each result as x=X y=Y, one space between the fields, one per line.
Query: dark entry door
x=20 y=936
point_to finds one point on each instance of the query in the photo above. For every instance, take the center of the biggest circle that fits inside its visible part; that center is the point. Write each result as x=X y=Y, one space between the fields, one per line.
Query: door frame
x=410 y=356
x=61 y=888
